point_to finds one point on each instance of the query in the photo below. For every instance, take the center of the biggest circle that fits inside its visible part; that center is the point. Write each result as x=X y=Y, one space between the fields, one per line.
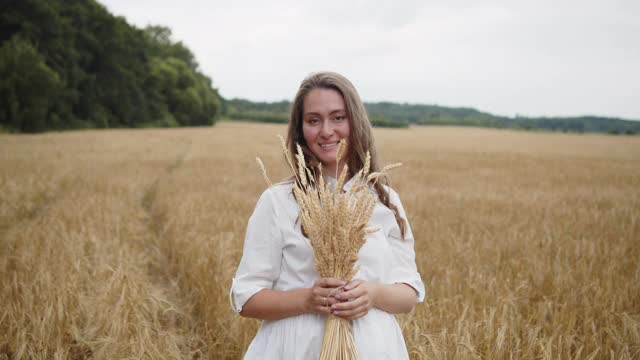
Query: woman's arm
x=360 y=296
x=395 y=298
x=269 y=304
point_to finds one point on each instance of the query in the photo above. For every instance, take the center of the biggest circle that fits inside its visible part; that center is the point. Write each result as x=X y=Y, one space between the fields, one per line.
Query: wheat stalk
x=336 y=224
x=264 y=171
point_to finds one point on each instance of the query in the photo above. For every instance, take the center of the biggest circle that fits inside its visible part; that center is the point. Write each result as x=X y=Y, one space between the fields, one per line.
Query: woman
x=276 y=280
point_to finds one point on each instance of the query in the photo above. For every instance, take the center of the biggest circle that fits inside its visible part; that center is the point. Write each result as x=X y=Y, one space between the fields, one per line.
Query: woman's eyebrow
x=317 y=113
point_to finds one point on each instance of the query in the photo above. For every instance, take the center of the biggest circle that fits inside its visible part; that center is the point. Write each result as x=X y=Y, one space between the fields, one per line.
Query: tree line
x=68 y=64
x=390 y=114
x=278 y=112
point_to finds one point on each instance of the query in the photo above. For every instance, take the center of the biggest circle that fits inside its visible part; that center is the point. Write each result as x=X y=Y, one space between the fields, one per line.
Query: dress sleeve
x=261 y=254
x=404 y=269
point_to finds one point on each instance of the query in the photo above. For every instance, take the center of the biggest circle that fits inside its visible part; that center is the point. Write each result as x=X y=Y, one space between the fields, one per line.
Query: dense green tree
x=28 y=88
x=93 y=69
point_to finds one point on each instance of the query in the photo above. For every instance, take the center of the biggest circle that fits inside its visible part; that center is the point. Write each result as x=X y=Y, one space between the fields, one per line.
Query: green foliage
x=379 y=120
x=241 y=109
x=71 y=64
x=28 y=89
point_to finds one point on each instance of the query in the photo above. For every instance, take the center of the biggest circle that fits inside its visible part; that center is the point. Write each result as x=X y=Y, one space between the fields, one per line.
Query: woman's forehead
x=322 y=100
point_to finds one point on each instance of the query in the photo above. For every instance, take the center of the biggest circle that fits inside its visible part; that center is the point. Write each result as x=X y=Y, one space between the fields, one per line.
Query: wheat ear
x=286 y=154
x=264 y=171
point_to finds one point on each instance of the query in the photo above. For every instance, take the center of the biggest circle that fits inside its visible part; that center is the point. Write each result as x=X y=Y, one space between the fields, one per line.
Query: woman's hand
x=322 y=295
x=358 y=298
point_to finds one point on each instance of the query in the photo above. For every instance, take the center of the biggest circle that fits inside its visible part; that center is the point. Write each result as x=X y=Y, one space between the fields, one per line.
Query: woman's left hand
x=356 y=300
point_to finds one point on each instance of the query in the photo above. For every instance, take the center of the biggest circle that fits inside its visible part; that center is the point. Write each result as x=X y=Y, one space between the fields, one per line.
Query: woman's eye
x=340 y=117
x=313 y=120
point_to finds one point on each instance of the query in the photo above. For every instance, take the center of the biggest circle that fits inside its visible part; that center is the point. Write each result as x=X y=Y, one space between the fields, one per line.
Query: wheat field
x=121 y=244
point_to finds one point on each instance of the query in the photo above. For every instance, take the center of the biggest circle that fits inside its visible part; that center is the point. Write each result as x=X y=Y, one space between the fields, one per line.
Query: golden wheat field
x=121 y=244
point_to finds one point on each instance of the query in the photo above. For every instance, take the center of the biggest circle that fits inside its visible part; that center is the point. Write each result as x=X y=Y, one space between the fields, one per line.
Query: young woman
x=276 y=280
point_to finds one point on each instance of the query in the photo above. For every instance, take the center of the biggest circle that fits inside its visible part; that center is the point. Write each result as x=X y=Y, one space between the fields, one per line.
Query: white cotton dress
x=277 y=256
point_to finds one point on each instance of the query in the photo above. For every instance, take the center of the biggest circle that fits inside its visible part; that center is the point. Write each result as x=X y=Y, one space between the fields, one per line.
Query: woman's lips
x=329 y=145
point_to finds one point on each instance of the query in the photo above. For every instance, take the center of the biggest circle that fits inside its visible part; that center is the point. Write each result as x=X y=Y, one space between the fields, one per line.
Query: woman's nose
x=327 y=129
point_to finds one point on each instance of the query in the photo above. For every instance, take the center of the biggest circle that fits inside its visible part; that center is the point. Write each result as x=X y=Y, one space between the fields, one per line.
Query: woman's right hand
x=321 y=295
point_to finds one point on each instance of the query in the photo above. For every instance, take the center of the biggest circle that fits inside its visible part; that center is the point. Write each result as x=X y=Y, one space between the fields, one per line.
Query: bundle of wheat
x=336 y=224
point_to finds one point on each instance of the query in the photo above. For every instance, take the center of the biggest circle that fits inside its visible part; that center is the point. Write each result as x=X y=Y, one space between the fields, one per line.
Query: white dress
x=277 y=256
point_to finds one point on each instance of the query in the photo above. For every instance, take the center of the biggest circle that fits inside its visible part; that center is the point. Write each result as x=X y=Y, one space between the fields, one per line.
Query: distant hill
x=390 y=114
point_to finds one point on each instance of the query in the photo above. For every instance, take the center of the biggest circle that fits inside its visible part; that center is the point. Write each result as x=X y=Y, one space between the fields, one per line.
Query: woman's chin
x=326 y=165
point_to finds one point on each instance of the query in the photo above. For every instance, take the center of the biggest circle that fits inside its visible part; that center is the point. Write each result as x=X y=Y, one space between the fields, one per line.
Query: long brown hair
x=360 y=135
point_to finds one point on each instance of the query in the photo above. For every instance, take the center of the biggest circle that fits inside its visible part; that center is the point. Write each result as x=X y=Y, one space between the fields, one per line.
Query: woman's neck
x=331 y=171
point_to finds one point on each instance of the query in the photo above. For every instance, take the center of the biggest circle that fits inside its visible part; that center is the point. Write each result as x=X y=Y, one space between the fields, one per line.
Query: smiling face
x=324 y=123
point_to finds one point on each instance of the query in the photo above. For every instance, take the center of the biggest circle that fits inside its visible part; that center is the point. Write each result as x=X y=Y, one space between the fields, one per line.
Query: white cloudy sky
x=544 y=57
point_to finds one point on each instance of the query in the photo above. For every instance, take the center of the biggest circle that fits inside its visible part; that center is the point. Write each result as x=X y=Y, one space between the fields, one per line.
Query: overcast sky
x=532 y=58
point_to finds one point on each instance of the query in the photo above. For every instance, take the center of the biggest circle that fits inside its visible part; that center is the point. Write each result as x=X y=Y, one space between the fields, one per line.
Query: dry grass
x=122 y=244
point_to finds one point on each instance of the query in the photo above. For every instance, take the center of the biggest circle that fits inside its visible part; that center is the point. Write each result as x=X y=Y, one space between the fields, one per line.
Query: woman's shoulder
x=279 y=192
x=278 y=200
x=288 y=182
x=283 y=187
x=393 y=195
